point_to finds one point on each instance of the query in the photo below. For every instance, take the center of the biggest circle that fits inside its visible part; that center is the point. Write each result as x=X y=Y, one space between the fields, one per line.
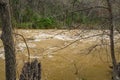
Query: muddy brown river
x=64 y=54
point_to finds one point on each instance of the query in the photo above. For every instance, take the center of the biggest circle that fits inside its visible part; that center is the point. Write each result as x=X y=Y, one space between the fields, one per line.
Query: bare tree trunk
x=31 y=71
x=8 y=42
x=114 y=62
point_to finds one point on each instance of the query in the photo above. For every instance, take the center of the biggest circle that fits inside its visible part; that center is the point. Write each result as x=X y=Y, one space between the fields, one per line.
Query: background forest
x=59 y=13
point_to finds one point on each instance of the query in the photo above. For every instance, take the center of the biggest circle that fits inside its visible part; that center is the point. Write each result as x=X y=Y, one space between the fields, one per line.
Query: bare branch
x=25 y=44
x=79 y=10
x=2 y=2
x=95 y=7
x=75 y=42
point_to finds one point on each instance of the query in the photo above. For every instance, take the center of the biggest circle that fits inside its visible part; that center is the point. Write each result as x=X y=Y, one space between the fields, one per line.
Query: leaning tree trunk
x=112 y=47
x=8 y=42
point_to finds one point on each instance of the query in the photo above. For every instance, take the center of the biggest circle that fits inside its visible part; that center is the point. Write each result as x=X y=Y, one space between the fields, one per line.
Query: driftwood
x=31 y=71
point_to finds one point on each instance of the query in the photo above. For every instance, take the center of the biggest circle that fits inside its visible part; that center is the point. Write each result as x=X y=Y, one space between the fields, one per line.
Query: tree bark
x=31 y=71
x=8 y=42
x=112 y=46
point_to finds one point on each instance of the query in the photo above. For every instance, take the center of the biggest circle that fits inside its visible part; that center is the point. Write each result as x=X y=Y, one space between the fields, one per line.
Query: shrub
x=44 y=23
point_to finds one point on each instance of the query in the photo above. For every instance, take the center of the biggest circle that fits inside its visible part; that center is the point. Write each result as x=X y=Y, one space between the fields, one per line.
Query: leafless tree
x=8 y=42
x=112 y=47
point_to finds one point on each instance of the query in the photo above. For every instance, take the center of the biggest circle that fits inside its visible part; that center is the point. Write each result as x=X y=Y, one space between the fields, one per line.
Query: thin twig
x=25 y=44
x=75 y=42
